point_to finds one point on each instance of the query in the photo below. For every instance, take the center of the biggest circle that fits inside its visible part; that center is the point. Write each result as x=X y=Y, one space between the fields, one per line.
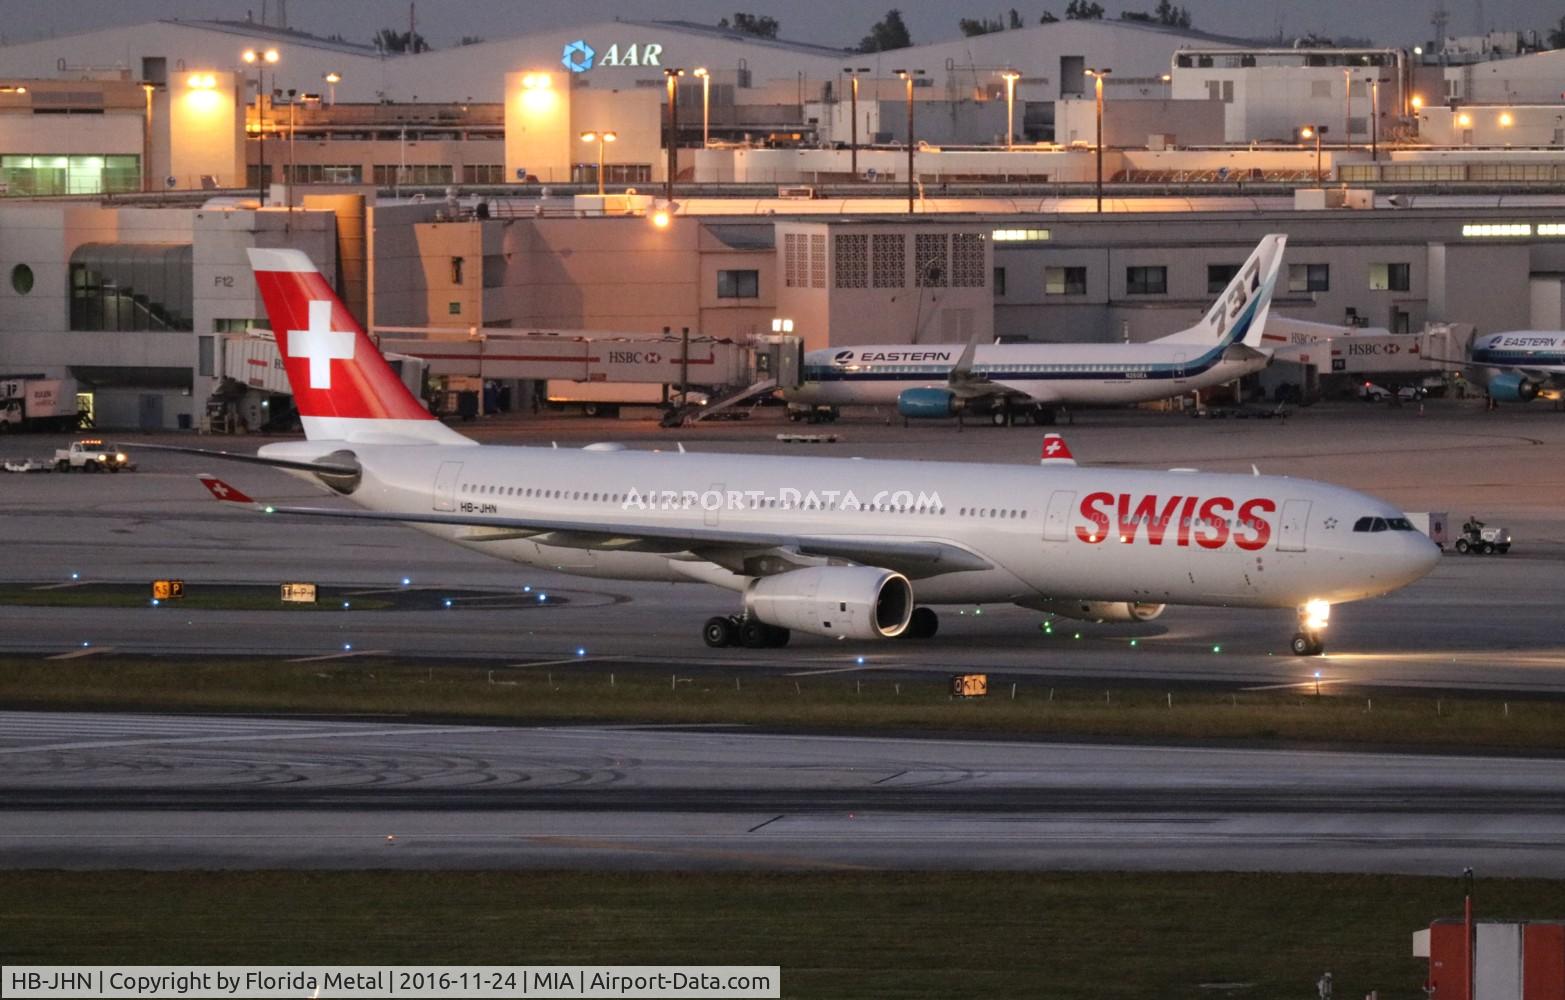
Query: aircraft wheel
x=1307 y=644
x=719 y=632
x=923 y=624
x=754 y=634
x=777 y=636
x=1000 y=418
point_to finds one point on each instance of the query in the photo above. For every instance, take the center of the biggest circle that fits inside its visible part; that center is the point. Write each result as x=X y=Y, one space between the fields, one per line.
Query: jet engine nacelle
x=852 y=602
x=1102 y=611
x=1512 y=387
x=928 y=403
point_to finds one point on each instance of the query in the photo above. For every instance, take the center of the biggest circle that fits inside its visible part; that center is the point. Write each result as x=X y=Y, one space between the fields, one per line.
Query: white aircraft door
x=445 y=485
x=1056 y=521
x=1295 y=522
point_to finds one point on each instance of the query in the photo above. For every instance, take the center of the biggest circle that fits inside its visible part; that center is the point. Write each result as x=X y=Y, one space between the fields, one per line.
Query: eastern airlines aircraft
x=943 y=380
x=1519 y=366
x=844 y=548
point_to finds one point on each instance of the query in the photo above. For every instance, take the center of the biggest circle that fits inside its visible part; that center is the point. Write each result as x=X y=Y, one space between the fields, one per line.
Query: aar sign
x=579 y=57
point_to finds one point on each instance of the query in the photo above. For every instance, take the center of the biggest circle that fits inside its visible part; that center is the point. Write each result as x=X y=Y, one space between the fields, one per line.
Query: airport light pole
x=600 y=138
x=332 y=79
x=671 y=75
x=1097 y=76
x=853 y=112
x=1010 y=77
x=1308 y=132
x=1347 y=104
x=706 y=105
x=261 y=59
x=912 y=180
x=1374 y=120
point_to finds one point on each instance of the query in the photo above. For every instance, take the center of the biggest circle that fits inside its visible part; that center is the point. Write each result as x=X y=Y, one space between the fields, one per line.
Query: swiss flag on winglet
x=223 y=491
x=1056 y=451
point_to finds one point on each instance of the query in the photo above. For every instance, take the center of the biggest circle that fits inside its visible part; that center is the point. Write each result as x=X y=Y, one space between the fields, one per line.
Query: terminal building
x=451 y=195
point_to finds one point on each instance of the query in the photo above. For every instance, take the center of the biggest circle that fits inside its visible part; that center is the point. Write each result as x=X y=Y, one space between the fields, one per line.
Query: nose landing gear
x=1313 y=616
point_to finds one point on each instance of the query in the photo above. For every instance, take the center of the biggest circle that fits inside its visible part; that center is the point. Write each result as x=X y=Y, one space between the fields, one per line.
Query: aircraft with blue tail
x=1005 y=381
x=1519 y=366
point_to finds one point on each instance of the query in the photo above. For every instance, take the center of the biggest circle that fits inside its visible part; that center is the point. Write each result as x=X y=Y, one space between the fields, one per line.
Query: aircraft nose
x=1419 y=558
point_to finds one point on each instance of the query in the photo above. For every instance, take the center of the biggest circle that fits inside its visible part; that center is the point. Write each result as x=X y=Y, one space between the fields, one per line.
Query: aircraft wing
x=916 y=559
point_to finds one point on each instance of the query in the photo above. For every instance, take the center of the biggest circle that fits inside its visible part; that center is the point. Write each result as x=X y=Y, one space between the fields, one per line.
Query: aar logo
x=577 y=56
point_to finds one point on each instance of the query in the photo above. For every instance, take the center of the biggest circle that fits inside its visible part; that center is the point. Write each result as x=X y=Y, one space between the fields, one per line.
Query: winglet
x=223 y=491
x=1056 y=451
x=963 y=368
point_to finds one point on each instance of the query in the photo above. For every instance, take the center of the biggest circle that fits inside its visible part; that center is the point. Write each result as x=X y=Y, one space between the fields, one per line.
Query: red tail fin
x=341 y=384
x=223 y=491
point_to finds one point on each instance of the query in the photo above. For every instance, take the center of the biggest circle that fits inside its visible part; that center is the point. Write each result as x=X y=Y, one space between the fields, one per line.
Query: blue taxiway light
x=406 y=581
x=448 y=602
x=580 y=651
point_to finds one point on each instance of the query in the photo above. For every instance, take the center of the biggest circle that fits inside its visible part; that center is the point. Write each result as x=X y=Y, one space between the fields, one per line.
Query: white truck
x=43 y=404
x=92 y=456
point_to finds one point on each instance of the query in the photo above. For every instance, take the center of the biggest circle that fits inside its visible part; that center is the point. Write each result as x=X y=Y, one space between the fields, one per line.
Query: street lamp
x=853 y=75
x=1097 y=77
x=706 y=105
x=1010 y=77
x=600 y=138
x=332 y=79
x=671 y=76
x=1315 y=132
x=912 y=182
x=260 y=59
x=1374 y=120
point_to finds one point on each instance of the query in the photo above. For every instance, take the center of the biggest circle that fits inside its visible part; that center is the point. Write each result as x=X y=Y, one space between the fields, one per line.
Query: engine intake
x=1101 y=611
x=849 y=602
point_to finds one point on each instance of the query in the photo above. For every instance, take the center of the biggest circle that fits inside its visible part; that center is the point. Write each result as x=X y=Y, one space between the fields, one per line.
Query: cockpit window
x=1383 y=524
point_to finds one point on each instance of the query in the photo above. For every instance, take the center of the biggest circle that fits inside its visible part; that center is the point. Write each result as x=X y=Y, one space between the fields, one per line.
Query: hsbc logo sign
x=579 y=57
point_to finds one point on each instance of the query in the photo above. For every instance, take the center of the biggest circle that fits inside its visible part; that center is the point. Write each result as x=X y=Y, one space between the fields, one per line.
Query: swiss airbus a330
x=843 y=548
x=1007 y=380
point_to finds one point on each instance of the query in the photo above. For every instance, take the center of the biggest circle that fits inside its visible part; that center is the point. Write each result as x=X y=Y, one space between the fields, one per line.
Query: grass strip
x=834 y=702
x=893 y=935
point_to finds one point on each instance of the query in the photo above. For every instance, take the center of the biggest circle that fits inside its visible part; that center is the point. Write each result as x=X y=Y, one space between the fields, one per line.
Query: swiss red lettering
x=1091 y=510
x=1146 y=513
x=1213 y=518
x=1253 y=531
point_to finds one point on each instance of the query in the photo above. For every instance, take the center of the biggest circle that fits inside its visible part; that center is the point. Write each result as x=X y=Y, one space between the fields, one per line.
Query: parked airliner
x=1520 y=365
x=843 y=548
x=1006 y=380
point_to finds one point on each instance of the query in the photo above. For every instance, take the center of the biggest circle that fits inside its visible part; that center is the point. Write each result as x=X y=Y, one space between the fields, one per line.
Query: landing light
x=1316 y=615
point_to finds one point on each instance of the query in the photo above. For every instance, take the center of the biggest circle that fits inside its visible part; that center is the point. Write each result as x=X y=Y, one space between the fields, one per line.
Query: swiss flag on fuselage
x=1056 y=451
x=332 y=367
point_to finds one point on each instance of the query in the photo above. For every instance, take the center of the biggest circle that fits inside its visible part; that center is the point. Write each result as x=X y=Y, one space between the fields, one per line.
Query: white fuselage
x=1056 y=374
x=1057 y=532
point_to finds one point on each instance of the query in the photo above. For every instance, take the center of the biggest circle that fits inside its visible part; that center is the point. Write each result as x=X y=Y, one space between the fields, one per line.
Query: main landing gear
x=922 y=625
x=1308 y=644
x=751 y=633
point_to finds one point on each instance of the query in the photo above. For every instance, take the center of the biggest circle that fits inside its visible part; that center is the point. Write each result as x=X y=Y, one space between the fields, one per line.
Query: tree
x=1015 y=20
x=1557 y=35
x=1166 y=12
x=1049 y=18
x=887 y=34
x=471 y=39
x=394 y=42
x=981 y=26
x=1083 y=10
x=1136 y=15
x=752 y=24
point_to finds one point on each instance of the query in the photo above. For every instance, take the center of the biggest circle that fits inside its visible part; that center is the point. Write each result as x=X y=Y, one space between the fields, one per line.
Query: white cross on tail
x=320 y=344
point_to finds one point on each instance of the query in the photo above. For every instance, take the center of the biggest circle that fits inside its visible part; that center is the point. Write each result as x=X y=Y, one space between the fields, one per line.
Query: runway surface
x=1476 y=623
x=90 y=791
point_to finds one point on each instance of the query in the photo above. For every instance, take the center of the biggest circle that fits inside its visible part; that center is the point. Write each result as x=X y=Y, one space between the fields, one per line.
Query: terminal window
x=1390 y=277
x=1309 y=277
x=738 y=284
x=1219 y=275
x=29 y=175
x=131 y=286
x=999 y=282
x=1146 y=281
x=1065 y=281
